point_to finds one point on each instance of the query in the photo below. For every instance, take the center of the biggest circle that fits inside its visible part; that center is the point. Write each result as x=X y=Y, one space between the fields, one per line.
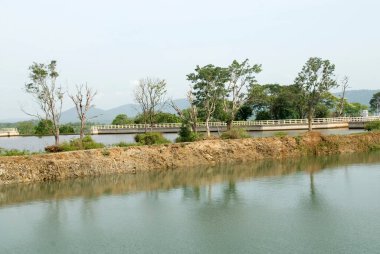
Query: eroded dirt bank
x=153 y=158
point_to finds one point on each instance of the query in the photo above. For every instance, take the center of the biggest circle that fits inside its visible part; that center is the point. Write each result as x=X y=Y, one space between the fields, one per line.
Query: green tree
x=122 y=119
x=66 y=129
x=26 y=127
x=375 y=103
x=208 y=88
x=47 y=94
x=162 y=117
x=316 y=78
x=44 y=127
x=240 y=77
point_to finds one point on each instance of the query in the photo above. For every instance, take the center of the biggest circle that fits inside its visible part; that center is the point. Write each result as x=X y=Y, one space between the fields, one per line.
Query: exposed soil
x=136 y=159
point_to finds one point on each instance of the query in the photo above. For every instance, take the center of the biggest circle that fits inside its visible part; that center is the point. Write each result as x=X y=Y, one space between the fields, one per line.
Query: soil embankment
x=59 y=166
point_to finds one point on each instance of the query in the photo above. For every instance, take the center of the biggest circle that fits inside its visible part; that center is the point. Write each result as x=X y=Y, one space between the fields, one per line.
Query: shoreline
x=135 y=159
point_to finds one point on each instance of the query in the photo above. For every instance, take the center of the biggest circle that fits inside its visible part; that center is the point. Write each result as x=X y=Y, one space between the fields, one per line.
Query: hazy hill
x=362 y=96
x=106 y=116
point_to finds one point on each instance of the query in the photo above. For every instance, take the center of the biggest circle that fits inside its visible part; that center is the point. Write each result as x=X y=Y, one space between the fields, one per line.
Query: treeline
x=216 y=93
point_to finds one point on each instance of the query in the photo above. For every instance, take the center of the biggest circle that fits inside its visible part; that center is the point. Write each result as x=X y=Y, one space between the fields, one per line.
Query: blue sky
x=111 y=44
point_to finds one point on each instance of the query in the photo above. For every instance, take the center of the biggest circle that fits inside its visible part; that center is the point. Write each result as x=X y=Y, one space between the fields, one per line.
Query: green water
x=321 y=205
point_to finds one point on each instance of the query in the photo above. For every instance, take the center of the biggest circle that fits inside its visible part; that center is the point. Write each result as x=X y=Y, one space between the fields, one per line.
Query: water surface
x=313 y=205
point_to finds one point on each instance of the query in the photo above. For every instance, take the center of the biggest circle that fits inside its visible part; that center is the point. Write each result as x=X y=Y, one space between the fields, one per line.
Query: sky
x=112 y=44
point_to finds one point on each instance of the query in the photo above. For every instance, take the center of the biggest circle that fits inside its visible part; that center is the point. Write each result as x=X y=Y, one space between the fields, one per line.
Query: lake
x=311 y=205
x=35 y=144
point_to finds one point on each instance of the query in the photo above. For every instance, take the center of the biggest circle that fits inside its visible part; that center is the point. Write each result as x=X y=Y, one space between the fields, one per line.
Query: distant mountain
x=106 y=116
x=362 y=96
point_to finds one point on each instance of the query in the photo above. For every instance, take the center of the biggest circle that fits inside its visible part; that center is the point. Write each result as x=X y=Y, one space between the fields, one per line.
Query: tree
x=208 y=87
x=150 y=95
x=240 y=77
x=375 y=103
x=315 y=79
x=44 y=127
x=82 y=100
x=66 y=129
x=47 y=94
x=26 y=127
x=188 y=116
x=344 y=85
x=122 y=119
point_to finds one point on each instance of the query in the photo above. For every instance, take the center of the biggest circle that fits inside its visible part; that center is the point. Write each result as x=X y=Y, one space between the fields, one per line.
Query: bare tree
x=150 y=95
x=344 y=86
x=47 y=94
x=82 y=100
x=189 y=116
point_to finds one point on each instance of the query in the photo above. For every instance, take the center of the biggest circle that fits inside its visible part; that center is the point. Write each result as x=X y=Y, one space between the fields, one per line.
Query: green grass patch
x=280 y=134
x=13 y=152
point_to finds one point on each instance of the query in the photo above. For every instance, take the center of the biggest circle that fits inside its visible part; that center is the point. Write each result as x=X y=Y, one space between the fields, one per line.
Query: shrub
x=66 y=129
x=75 y=144
x=235 y=133
x=151 y=138
x=13 y=152
x=186 y=135
x=53 y=149
x=371 y=126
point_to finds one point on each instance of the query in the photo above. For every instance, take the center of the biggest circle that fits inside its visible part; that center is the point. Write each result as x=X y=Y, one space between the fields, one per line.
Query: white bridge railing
x=241 y=123
x=8 y=130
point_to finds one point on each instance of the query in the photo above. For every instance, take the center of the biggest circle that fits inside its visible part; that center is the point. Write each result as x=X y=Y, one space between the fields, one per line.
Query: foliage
x=315 y=79
x=244 y=113
x=375 y=102
x=186 y=135
x=235 y=133
x=208 y=89
x=151 y=138
x=122 y=119
x=125 y=144
x=371 y=126
x=162 y=117
x=66 y=129
x=47 y=94
x=263 y=115
x=44 y=127
x=26 y=127
x=77 y=144
x=13 y=152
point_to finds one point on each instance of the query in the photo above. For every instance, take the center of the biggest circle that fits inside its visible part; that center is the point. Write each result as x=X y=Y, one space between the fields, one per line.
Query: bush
x=151 y=138
x=235 y=133
x=13 y=152
x=75 y=144
x=371 y=126
x=186 y=135
x=66 y=129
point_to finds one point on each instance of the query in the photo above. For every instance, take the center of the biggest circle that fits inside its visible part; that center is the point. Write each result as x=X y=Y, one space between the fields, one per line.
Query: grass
x=74 y=145
x=235 y=133
x=13 y=152
x=280 y=134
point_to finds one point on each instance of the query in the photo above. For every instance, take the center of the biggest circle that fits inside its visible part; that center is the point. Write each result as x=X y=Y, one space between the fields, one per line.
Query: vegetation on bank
x=235 y=133
x=75 y=144
x=13 y=152
x=151 y=138
x=372 y=126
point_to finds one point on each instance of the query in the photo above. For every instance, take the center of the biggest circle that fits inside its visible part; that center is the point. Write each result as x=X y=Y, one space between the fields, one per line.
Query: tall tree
x=82 y=100
x=150 y=94
x=208 y=87
x=241 y=77
x=316 y=78
x=375 y=103
x=344 y=85
x=47 y=94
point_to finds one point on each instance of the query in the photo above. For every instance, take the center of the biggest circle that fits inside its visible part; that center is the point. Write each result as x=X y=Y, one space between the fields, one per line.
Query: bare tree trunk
x=310 y=120
x=229 y=125
x=208 y=127
x=81 y=134
x=56 y=136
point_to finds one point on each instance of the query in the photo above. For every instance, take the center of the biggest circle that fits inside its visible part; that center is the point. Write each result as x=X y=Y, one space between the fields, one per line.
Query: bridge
x=264 y=125
x=8 y=132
